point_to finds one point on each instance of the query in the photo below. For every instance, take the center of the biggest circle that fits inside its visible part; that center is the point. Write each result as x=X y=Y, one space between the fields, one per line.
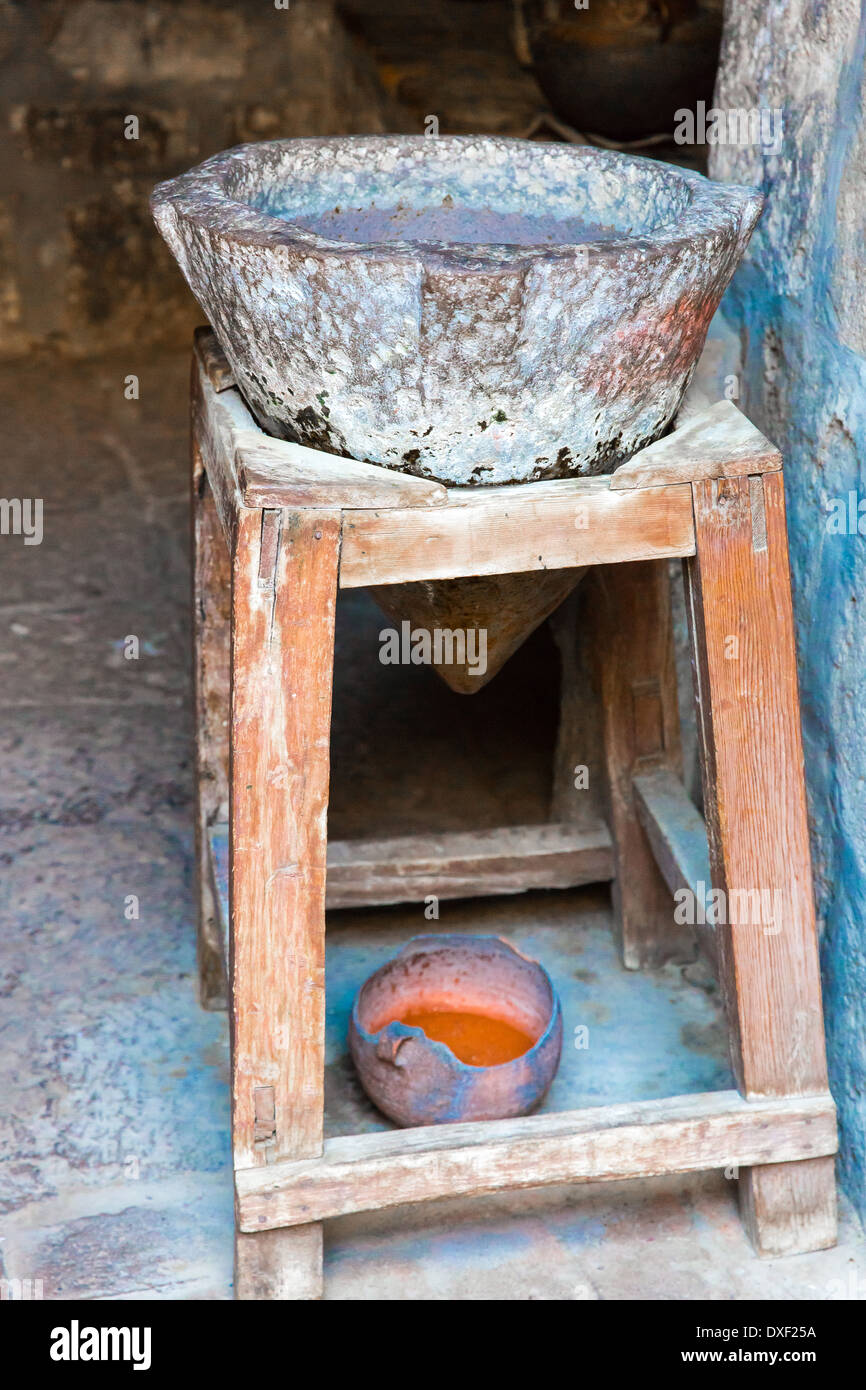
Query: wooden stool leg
x=279 y=1266
x=284 y=586
x=739 y=600
x=576 y=797
x=211 y=608
x=633 y=646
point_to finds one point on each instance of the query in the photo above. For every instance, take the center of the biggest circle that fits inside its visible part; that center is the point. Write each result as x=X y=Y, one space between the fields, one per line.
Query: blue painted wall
x=799 y=303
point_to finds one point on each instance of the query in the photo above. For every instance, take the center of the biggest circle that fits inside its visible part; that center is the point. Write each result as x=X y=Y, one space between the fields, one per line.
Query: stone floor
x=115 y=1180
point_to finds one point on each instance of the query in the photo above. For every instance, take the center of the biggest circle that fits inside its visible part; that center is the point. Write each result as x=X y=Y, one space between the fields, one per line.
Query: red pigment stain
x=474 y=1039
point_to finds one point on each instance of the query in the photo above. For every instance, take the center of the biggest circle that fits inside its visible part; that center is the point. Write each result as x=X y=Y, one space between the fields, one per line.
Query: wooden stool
x=278 y=528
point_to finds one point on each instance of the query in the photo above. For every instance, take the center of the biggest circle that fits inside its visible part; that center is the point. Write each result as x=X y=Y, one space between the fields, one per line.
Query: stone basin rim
x=200 y=196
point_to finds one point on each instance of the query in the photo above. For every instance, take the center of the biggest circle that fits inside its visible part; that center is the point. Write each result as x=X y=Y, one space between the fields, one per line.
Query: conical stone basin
x=473 y=625
x=472 y=309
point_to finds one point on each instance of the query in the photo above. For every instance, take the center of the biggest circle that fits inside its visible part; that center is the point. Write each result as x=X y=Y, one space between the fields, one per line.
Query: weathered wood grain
x=512 y=859
x=719 y=443
x=632 y=640
x=789 y=1208
x=213 y=359
x=284 y=593
x=409 y=868
x=680 y=1135
x=276 y=473
x=678 y=839
x=213 y=429
x=675 y=828
x=252 y=469
x=282 y=656
x=781 y=1131
x=279 y=1266
x=576 y=795
x=498 y=530
x=211 y=620
x=739 y=602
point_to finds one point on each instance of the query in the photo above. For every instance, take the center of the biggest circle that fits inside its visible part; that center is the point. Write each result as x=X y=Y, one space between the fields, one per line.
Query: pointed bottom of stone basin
x=481 y=619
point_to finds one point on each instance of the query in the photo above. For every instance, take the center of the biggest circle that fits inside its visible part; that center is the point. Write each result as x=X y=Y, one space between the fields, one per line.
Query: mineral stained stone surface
x=473 y=309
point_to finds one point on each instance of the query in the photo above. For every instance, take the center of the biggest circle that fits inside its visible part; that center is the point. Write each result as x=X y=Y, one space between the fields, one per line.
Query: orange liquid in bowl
x=474 y=1039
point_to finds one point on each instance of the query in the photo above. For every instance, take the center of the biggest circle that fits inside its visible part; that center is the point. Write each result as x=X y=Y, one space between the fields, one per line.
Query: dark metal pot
x=623 y=68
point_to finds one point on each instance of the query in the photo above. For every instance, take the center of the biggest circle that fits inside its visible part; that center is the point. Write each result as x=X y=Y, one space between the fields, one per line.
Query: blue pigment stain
x=635 y=1051
x=812 y=403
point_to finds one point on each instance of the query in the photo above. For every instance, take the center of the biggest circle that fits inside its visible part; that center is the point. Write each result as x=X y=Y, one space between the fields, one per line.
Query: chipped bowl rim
x=432 y=941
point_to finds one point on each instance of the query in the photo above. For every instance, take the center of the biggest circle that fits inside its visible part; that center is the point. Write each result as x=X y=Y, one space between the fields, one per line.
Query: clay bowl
x=623 y=68
x=473 y=309
x=416 y=1081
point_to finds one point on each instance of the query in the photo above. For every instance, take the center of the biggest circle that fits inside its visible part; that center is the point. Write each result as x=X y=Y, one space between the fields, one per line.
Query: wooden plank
x=211 y=619
x=279 y=1266
x=284 y=592
x=513 y=859
x=213 y=359
x=719 y=443
x=498 y=530
x=675 y=828
x=276 y=473
x=578 y=778
x=632 y=639
x=257 y=470
x=679 y=1135
x=218 y=843
x=282 y=659
x=739 y=602
x=788 y=1208
x=213 y=428
x=678 y=839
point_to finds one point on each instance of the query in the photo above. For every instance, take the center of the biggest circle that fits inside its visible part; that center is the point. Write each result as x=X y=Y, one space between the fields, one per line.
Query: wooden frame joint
x=682 y=1134
x=648 y=720
x=265 y=1118
x=758 y=508
x=272 y=525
